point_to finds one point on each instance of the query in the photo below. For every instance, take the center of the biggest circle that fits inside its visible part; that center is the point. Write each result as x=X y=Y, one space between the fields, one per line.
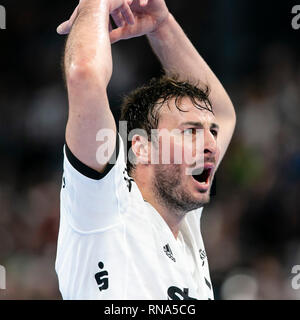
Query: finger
x=143 y=3
x=127 y=14
x=64 y=28
x=116 y=35
x=122 y=33
x=118 y=18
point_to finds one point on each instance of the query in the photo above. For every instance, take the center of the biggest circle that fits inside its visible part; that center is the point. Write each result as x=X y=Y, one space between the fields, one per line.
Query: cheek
x=184 y=152
x=192 y=152
x=170 y=150
x=176 y=150
x=218 y=154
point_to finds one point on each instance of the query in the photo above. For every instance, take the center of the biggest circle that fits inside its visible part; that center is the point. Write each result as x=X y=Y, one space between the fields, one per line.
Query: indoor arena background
x=252 y=226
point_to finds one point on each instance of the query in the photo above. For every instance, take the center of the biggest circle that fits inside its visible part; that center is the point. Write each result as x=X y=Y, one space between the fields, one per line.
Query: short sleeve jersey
x=114 y=245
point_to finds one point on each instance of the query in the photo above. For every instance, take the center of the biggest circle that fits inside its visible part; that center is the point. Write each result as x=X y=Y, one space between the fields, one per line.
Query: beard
x=170 y=191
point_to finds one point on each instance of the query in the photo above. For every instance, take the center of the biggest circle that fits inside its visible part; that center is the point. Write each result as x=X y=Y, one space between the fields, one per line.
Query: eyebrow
x=199 y=124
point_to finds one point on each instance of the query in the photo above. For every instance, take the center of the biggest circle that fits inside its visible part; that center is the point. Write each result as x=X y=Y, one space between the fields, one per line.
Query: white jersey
x=114 y=245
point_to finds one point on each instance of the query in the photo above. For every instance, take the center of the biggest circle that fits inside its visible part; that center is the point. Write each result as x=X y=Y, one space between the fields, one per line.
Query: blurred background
x=252 y=226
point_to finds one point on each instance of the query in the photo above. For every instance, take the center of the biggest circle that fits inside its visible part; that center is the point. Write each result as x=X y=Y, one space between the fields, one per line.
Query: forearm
x=88 y=46
x=178 y=56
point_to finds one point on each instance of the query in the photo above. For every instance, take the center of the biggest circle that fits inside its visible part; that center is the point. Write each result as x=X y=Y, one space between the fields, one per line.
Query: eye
x=214 y=132
x=189 y=131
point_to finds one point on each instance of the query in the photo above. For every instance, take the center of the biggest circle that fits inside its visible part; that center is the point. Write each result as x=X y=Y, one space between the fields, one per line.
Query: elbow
x=84 y=73
x=79 y=70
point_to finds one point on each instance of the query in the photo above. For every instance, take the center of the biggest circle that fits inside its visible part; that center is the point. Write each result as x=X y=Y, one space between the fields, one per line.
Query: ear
x=141 y=148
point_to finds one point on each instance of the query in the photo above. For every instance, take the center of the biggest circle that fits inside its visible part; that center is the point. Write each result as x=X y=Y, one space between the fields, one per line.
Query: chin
x=203 y=197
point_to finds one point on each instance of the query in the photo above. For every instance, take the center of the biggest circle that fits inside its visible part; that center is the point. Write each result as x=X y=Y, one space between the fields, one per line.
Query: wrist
x=94 y=6
x=162 y=26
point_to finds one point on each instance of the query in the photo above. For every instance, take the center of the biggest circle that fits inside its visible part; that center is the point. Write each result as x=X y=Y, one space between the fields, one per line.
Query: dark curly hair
x=141 y=107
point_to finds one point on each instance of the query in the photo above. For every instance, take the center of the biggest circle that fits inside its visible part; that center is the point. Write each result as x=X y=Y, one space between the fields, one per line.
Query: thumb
x=118 y=34
x=126 y=32
x=63 y=28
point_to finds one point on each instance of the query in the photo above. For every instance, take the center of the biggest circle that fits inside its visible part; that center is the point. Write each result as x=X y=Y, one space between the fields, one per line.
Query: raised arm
x=177 y=55
x=88 y=69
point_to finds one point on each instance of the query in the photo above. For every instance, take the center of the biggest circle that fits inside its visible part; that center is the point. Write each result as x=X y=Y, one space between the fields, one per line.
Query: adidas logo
x=202 y=256
x=169 y=252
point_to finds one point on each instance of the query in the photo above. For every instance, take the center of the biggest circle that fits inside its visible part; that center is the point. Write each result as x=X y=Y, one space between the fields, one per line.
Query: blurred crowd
x=252 y=226
x=252 y=231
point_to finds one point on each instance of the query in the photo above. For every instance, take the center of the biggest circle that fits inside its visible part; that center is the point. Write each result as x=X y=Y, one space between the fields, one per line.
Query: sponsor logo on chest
x=168 y=252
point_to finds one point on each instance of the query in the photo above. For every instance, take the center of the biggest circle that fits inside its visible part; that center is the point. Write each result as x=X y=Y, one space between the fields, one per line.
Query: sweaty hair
x=141 y=108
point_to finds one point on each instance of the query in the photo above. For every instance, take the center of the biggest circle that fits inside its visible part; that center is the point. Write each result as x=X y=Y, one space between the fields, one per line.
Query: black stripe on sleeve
x=207 y=283
x=87 y=171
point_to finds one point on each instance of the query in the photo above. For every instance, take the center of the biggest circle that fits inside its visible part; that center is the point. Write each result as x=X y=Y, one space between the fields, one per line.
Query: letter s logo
x=295 y=20
x=175 y=293
x=102 y=277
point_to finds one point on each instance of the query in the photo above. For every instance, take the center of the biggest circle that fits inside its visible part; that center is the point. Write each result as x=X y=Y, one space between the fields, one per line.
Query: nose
x=210 y=143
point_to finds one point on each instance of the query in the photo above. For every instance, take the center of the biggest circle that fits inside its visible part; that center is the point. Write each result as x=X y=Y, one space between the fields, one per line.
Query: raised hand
x=118 y=8
x=133 y=18
x=149 y=15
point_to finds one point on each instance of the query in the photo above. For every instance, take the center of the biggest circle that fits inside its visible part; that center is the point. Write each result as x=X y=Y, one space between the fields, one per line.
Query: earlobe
x=140 y=148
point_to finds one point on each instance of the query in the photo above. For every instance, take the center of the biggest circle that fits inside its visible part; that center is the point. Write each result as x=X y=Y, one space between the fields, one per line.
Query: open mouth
x=203 y=177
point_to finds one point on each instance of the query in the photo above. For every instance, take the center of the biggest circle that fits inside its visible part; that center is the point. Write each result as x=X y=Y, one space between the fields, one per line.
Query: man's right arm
x=88 y=69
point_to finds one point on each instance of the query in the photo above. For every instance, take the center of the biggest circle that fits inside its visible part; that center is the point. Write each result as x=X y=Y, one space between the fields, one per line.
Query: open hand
x=149 y=15
x=133 y=18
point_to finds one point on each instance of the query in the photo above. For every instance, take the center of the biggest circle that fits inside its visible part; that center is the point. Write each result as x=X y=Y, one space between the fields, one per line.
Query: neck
x=172 y=217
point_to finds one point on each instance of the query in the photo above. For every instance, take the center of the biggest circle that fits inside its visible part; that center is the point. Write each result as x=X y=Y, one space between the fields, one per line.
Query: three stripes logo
x=128 y=180
x=202 y=256
x=169 y=252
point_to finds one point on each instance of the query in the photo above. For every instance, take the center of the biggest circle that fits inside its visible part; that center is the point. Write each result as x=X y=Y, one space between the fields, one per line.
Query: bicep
x=90 y=201
x=89 y=113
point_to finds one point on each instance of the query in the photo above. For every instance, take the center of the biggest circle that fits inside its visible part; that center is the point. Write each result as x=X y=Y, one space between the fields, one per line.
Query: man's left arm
x=178 y=56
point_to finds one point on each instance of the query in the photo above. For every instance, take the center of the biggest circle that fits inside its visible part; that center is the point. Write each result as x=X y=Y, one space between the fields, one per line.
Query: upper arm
x=223 y=109
x=227 y=125
x=97 y=195
x=226 y=118
x=89 y=112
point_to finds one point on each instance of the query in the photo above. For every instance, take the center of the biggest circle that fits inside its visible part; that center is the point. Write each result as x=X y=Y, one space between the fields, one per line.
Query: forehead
x=170 y=117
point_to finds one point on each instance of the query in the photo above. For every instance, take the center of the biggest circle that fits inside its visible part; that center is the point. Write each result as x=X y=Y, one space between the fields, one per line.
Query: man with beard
x=130 y=226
